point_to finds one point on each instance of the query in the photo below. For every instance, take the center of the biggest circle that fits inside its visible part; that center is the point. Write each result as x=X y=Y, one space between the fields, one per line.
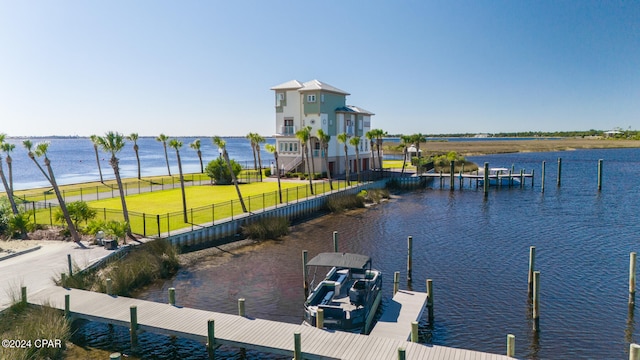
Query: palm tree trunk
x=234 y=178
x=255 y=162
x=346 y=163
x=313 y=162
x=326 y=160
x=358 y=164
x=125 y=212
x=404 y=160
x=184 y=197
x=135 y=147
x=166 y=157
x=63 y=207
x=95 y=148
x=306 y=151
x=259 y=160
x=14 y=207
x=275 y=154
x=200 y=157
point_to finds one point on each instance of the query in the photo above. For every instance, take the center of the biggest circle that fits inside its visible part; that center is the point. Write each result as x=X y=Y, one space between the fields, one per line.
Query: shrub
x=5 y=212
x=346 y=202
x=374 y=195
x=30 y=323
x=269 y=228
x=19 y=223
x=78 y=211
x=267 y=172
x=218 y=171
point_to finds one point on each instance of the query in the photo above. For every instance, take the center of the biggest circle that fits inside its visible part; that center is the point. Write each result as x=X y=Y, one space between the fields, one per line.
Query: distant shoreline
x=488 y=147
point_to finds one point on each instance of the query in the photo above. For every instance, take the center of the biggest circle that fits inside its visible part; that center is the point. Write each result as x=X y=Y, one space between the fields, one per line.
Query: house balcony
x=287 y=130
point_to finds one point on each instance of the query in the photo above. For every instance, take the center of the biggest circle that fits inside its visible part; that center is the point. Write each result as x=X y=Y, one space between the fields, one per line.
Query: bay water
x=476 y=250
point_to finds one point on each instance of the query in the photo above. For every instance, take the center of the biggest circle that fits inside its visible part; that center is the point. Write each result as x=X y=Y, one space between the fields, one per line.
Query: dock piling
x=486 y=179
x=543 y=172
x=115 y=356
x=409 y=257
x=297 y=346
x=532 y=260
x=600 y=174
x=402 y=353
x=634 y=352
x=430 y=299
x=67 y=305
x=304 y=273
x=63 y=279
x=172 y=296
x=414 y=331
x=511 y=345
x=559 y=171
x=241 y=309
x=70 y=265
x=320 y=319
x=211 y=337
x=23 y=294
x=396 y=281
x=452 y=174
x=536 y=300
x=335 y=241
x=632 y=278
x=109 y=286
x=133 y=329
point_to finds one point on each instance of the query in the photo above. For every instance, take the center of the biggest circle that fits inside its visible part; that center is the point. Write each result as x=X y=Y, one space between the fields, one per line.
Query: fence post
x=144 y=225
x=158 y=220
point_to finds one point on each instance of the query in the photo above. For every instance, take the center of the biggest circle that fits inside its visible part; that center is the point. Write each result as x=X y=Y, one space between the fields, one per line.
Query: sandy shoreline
x=486 y=147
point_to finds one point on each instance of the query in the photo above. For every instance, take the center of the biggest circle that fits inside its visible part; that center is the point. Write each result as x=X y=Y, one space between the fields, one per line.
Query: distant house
x=612 y=133
x=320 y=106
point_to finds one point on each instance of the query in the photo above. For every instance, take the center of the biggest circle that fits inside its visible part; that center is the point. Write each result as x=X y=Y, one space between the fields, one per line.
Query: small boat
x=500 y=176
x=349 y=294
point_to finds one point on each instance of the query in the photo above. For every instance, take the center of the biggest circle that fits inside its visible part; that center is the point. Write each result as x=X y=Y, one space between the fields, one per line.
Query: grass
x=271 y=228
x=146 y=263
x=339 y=204
x=31 y=324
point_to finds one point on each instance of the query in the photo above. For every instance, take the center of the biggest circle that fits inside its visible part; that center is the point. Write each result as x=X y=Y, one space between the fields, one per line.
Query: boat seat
x=327 y=298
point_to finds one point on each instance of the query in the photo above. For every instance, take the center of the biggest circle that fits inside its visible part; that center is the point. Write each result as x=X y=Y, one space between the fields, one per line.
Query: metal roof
x=343 y=260
x=354 y=109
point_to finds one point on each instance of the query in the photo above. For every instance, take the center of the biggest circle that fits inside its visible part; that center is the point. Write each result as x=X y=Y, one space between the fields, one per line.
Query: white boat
x=349 y=294
x=500 y=176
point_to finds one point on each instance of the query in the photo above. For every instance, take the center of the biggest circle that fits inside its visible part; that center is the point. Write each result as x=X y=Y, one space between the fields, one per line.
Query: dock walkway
x=395 y=322
x=244 y=332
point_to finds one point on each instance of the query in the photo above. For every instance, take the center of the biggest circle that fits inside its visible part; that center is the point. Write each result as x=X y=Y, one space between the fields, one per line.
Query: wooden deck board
x=258 y=334
x=405 y=307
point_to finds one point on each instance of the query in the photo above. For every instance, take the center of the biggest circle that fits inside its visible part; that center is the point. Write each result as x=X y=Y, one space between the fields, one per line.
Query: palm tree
x=218 y=141
x=113 y=142
x=29 y=146
x=343 y=138
x=258 y=140
x=355 y=141
x=7 y=148
x=163 y=139
x=406 y=140
x=417 y=139
x=195 y=145
x=41 y=150
x=94 y=140
x=324 y=144
x=177 y=144
x=272 y=149
x=371 y=136
x=303 y=136
x=313 y=163
x=379 y=134
x=251 y=136
x=134 y=137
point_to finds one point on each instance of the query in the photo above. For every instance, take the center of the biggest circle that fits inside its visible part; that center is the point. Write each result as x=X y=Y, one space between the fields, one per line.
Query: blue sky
x=205 y=67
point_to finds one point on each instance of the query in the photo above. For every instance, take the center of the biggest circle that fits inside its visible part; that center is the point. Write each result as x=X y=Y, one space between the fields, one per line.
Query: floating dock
x=395 y=322
x=246 y=332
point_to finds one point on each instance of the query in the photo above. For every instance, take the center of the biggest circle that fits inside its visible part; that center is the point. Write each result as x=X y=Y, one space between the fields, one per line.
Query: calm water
x=475 y=250
x=73 y=159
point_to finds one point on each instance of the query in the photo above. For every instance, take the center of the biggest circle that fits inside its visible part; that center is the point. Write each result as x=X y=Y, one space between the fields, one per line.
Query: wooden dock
x=244 y=332
x=395 y=322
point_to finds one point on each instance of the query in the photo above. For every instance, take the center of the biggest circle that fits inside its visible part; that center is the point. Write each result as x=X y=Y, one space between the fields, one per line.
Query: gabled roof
x=354 y=109
x=315 y=85
x=293 y=84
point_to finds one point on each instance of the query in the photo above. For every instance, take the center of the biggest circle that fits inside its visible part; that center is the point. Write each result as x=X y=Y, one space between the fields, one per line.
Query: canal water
x=476 y=250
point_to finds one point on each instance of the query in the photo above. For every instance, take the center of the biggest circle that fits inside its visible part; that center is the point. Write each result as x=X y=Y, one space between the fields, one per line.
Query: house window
x=322 y=98
x=311 y=98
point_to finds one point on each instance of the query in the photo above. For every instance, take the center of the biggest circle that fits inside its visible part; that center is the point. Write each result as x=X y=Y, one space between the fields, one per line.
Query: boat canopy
x=341 y=260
